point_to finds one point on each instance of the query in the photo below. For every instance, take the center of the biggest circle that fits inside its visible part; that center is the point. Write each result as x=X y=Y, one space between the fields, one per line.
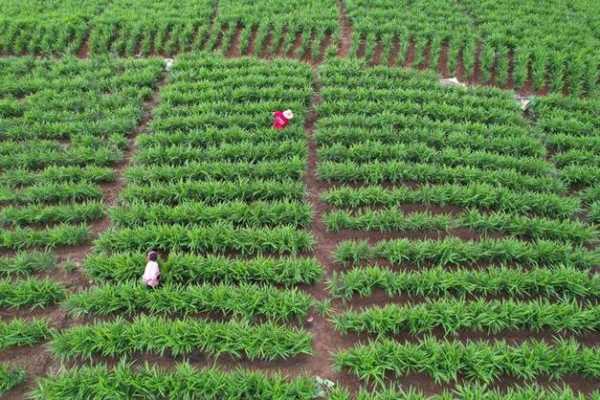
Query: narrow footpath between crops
x=38 y=360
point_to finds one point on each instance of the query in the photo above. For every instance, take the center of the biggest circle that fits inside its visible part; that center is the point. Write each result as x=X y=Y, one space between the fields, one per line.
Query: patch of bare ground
x=279 y=50
x=37 y=360
x=395 y=50
x=292 y=52
x=410 y=53
x=234 y=47
x=266 y=52
x=377 y=52
x=307 y=55
x=84 y=50
x=323 y=46
x=252 y=41
x=475 y=77
x=442 y=66
x=362 y=46
x=345 y=30
x=426 y=58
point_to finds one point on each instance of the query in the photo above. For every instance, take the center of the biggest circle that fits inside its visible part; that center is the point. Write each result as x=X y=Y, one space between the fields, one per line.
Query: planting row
x=446 y=361
x=454 y=316
x=456 y=252
x=557 y=282
x=497 y=222
x=186 y=382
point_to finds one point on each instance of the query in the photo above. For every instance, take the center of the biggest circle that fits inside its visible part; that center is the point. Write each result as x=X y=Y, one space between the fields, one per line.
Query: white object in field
x=151 y=274
x=168 y=63
x=524 y=101
x=451 y=82
x=288 y=114
x=324 y=386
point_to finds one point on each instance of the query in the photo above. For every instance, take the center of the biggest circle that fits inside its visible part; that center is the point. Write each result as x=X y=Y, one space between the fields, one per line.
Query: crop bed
x=401 y=239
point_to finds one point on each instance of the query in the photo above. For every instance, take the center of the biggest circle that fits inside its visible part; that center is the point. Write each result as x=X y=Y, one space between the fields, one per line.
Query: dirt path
x=37 y=360
x=345 y=30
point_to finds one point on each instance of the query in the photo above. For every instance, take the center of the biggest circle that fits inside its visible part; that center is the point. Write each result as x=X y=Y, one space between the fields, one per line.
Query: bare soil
x=252 y=41
x=234 y=47
x=345 y=30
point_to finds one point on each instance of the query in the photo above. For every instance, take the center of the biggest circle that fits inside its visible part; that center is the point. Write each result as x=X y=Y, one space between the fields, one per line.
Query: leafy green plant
x=188 y=269
x=18 y=332
x=247 y=301
x=157 y=335
x=457 y=252
x=26 y=263
x=32 y=293
x=557 y=282
x=453 y=316
x=184 y=381
x=10 y=377
x=484 y=362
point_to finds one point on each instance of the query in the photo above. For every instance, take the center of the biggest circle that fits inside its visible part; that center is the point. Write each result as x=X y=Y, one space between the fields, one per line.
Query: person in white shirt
x=152 y=272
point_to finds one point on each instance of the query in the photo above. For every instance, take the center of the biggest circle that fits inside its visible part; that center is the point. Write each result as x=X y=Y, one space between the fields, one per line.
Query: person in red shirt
x=281 y=119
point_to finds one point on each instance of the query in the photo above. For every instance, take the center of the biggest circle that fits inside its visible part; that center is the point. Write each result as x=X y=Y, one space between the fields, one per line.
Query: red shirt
x=279 y=120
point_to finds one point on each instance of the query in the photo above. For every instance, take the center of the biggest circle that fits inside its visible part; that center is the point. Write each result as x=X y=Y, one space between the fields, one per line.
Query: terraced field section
x=463 y=255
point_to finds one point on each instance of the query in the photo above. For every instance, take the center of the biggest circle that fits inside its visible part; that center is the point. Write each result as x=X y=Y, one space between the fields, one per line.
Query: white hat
x=288 y=114
x=168 y=63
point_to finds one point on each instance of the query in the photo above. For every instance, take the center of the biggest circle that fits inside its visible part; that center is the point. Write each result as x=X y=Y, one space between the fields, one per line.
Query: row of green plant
x=56 y=175
x=456 y=315
x=245 y=301
x=528 y=228
x=558 y=282
x=345 y=104
x=480 y=196
x=10 y=377
x=255 y=76
x=181 y=337
x=73 y=156
x=57 y=236
x=51 y=193
x=214 y=192
x=180 y=155
x=218 y=170
x=219 y=137
x=399 y=172
x=18 y=332
x=187 y=269
x=40 y=214
x=34 y=293
x=373 y=151
x=26 y=263
x=181 y=382
x=452 y=251
x=448 y=361
x=219 y=238
x=237 y=213
x=471 y=391
x=412 y=88
x=348 y=130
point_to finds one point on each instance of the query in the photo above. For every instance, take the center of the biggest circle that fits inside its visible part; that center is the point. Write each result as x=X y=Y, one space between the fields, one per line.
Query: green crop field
x=426 y=227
